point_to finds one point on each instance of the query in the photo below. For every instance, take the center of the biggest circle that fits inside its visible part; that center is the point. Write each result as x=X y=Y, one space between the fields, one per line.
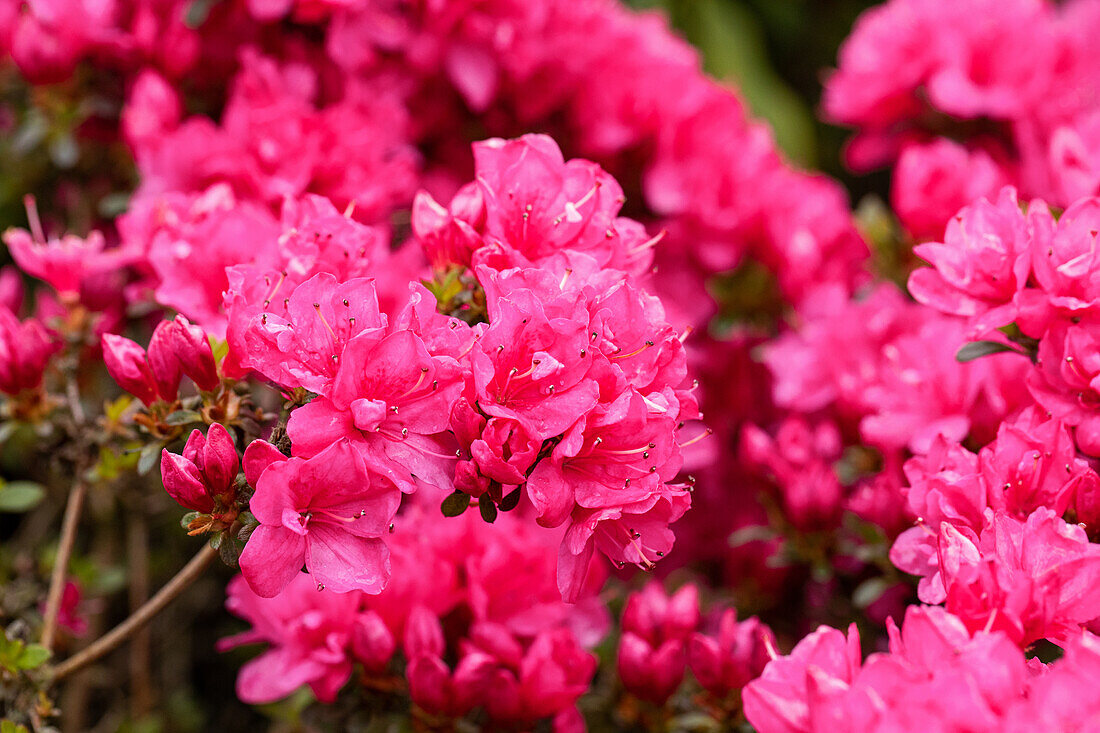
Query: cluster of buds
x=177 y=349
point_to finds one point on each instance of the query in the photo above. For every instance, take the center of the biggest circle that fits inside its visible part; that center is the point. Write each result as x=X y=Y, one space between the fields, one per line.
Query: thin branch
x=116 y=636
x=61 y=562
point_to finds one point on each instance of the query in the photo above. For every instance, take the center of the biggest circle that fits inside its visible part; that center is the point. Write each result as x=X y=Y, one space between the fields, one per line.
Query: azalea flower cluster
x=1002 y=536
x=968 y=97
x=418 y=387
x=988 y=685
x=487 y=599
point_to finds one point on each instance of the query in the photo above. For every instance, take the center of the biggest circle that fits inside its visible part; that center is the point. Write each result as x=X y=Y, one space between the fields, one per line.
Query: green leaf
x=978 y=349
x=114 y=410
x=511 y=500
x=455 y=504
x=20 y=496
x=488 y=509
x=869 y=591
x=751 y=533
x=148 y=459
x=230 y=550
x=182 y=417
x=35 y=655
x=186 y=519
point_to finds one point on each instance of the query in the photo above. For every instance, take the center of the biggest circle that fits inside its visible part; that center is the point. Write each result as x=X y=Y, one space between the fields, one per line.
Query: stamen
x=632 y=353
x=267 y=300
x=419 y=381
x=31 y=205
x=317 y=307
x=697 y=438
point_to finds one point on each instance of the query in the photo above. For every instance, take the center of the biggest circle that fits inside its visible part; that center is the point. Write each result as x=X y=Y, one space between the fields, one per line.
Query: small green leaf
x=978 y=349
x=488 y=509
x=20 y=496
x=455 y=504
x=751 y=533
x=186 y=519
x=230 y=551
x=148 y=459
x=510 y=500
x=216 y=541
x=35 y=655
x=869 y=591
x=182 y=417
x=114 y=410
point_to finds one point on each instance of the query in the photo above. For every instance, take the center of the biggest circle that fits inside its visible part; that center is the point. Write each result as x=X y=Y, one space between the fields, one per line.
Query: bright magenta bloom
x=327 y=513
x=391 y=400
x=25 y=350
x=310 y=633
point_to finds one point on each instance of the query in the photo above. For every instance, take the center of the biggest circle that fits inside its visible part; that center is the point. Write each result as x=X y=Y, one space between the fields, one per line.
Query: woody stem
x=61 y=562
x=139 y=618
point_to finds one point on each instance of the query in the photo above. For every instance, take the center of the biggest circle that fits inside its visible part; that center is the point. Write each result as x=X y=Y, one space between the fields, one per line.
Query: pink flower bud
x=648 y=673
x=372 y=643
x=127 y=365
x=430 y=684
x=183 y=482
x=654 y=616
x=11 y=289
x=206 y=469
x=423 y=634
x=192 y=349
x=1087 y=502
x=218 y=459
x=163 y=364
x=732 y=659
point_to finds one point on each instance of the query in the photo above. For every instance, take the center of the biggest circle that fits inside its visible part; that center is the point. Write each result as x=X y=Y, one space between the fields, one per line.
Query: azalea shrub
x=496 y=368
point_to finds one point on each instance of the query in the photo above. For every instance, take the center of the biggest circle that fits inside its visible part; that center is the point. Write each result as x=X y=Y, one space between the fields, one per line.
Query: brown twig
x=116 y=636
x=61 y=562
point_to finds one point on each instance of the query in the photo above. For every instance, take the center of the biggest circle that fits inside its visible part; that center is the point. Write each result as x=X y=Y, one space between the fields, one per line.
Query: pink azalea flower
x=537 y=204
x=309 y=632
x=25 y=350
x=934 y=180
x=60 y=262
x=823 y=664
x=191 y=240
x=297 y=339
x=392 y=400
x=327 y=513
x=982 y=263
x=1065 y=381
x=531 y=365
x=636 y=533
x=620 y=454
x=1032 y=579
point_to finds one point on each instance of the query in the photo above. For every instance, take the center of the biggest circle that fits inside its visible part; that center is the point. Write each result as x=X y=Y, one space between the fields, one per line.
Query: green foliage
x=17 y=656
x=20 y=496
